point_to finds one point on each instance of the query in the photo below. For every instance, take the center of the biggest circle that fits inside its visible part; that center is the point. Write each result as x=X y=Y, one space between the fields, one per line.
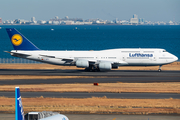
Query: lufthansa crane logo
x=16 y=39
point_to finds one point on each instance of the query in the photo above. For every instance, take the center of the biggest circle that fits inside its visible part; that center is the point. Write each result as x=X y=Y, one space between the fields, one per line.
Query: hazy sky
x=151 y=10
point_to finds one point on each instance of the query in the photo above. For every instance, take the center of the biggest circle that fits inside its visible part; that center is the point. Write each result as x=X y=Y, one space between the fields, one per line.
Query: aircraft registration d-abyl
x=90 y=60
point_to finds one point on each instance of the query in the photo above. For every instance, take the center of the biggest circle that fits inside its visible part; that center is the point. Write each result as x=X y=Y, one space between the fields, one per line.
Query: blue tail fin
x=20 y=42
x=19 y=113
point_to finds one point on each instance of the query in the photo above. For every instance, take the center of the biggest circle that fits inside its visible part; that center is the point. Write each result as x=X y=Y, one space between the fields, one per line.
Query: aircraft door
x=123 y=57
x=155 y=57
x=151 y=58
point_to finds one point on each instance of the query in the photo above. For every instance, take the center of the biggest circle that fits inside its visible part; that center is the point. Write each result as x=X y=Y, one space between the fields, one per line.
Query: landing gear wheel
x=159 y=70
x=91 y=69
x=97 y=70
x=87 y=69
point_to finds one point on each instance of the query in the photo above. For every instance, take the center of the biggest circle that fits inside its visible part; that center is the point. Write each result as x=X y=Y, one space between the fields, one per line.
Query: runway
x=100 y=77
x=90 y=95
x=91 y=80
x=114 y=73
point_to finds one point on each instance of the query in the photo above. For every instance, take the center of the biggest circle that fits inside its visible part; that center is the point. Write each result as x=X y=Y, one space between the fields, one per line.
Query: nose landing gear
x=160 y=68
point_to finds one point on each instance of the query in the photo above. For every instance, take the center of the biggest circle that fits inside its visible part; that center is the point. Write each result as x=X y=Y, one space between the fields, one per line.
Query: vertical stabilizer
x=19 y=113
x=19 y=41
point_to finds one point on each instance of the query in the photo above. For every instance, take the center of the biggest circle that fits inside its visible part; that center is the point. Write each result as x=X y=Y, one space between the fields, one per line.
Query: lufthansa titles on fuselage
x=140 y=55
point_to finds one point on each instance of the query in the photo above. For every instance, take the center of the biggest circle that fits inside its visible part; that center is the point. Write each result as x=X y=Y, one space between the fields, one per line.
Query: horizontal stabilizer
x=16 y=53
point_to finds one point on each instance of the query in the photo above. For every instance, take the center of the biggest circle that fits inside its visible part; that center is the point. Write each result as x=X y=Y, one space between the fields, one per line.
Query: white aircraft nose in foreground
x=91 y=60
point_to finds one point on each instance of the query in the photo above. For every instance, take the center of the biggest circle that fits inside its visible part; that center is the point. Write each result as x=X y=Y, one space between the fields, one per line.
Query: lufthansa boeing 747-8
x=90 y=60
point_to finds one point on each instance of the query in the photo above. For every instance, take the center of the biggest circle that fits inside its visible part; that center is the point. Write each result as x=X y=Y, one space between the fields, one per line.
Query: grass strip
x=95 y=105
x=164 y=87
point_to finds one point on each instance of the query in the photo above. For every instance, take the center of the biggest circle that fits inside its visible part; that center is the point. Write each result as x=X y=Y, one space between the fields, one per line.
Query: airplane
x=19 y=112
x=102 y=60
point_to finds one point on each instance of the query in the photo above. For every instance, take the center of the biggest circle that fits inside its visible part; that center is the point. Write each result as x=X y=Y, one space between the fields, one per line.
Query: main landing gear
x=92 y=69
x=160 y=68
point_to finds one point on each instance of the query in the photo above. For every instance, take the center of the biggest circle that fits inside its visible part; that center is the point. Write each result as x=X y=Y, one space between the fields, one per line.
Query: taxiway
x=90 y=95
x=114 y=76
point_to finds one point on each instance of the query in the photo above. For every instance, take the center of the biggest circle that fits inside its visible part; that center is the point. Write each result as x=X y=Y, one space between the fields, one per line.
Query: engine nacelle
x=82 y=63
x=103 y=66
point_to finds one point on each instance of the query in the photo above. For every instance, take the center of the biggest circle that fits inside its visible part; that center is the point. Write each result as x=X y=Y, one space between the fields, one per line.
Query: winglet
x=20 y=42
x=19 y=113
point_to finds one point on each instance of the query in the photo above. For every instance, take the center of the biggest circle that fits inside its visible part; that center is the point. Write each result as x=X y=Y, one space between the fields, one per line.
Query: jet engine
x=82 y=63
x=103 y=66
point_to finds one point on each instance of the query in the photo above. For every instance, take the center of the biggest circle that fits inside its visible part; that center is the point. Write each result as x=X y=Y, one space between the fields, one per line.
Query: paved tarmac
x=114 y=73
x=91 y=80
x=90 y=95
x=106 y=117
x=113 y=76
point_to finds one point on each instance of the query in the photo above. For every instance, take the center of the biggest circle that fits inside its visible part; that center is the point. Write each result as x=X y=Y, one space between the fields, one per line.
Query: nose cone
x=175 y=58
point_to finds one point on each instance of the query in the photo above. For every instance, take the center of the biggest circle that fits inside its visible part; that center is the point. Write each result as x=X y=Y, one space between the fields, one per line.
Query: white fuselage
x=120 y=57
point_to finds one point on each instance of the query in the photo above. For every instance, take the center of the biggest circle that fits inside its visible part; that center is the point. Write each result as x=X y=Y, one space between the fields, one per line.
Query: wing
x=90 y=61
x=62 y=58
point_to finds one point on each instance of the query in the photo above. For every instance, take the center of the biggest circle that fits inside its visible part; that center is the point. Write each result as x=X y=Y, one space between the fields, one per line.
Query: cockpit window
x=164 y=51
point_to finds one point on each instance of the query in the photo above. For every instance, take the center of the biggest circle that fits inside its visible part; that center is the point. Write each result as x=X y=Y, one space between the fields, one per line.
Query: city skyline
x=151 y=10
x=79 y=21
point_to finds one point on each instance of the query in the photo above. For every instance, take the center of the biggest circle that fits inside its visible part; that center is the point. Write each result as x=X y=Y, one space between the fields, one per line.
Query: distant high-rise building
x=143 y=20
x=134 y=20
x=56 y=17
x=140 y=20
x=66 y=17
x=0 y=20
x=135 y=16
x=32 y=19
x=17 y=21
x=116 y=21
